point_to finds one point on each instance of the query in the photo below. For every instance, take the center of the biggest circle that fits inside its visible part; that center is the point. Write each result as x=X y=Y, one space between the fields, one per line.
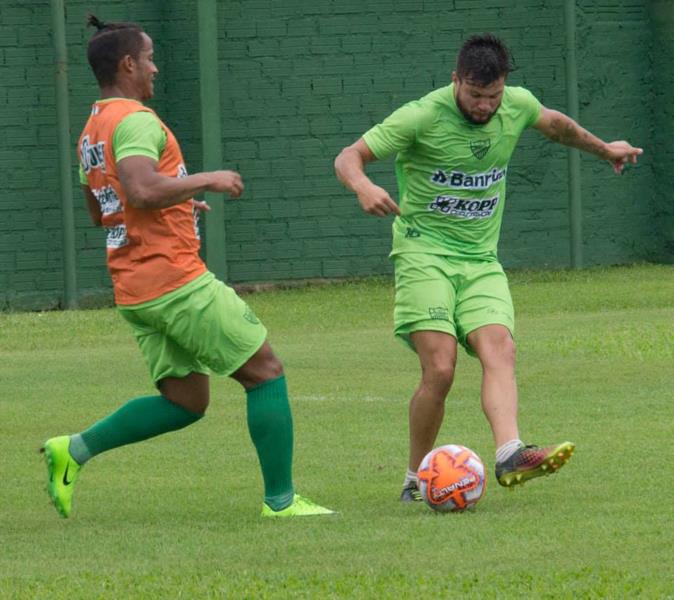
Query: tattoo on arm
x=565 y=130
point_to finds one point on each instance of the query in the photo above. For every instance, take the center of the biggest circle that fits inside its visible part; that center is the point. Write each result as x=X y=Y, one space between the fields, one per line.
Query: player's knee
x=193 y=402
x=499 y=352
x=439 y=375
x=264 y=367
x=200 y=405
x=273 y=368
x=266 y=363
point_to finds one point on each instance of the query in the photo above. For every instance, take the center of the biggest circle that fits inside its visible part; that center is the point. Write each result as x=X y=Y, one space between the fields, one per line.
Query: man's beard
x=470 y=118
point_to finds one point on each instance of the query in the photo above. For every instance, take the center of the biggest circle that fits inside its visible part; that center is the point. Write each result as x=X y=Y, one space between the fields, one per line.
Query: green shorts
x=443 y=293
x=202 y=327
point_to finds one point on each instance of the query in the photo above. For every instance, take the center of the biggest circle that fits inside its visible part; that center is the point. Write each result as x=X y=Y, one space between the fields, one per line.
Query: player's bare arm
x=146 y=187
x=93 y=206
x=560 y=128
x=350 y=169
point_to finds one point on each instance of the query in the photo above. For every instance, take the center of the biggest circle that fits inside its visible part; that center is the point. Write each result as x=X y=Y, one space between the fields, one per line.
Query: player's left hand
x=620 y=153
x=201 y=205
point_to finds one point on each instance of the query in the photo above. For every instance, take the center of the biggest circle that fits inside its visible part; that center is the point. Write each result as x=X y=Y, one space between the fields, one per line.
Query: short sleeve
x=531 y=107
x=395 y=133
x=139 y=134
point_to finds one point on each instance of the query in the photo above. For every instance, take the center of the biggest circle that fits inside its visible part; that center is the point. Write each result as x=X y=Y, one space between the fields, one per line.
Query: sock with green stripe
x=270 y=425
x=138 y=420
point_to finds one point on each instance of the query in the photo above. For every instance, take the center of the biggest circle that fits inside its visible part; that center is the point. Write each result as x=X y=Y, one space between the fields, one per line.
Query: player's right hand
x=621 y=153
x=376 y=201
x=226 y=181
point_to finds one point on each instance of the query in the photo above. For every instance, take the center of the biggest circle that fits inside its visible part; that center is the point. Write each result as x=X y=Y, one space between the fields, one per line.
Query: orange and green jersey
x=150 y=252
x=451 y=173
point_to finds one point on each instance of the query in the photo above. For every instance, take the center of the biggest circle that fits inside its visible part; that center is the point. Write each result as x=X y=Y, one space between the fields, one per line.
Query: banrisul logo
x=92 y=156
x=479 y=148
x=458 y=180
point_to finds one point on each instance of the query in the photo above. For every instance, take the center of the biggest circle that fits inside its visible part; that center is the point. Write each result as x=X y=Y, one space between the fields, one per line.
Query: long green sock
x=137 y=420
x=270 y=424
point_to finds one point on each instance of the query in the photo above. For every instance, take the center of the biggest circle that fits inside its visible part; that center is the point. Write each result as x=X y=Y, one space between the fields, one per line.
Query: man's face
x=146 y=70
x=478 y=103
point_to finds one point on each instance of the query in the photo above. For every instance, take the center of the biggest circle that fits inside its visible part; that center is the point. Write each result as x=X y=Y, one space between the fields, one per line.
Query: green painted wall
x=299 y=81
x=662 y=51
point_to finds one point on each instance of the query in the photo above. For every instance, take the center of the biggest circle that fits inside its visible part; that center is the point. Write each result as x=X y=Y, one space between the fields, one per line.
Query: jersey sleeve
x=530 y=107
x=139 y=134
x=395 y=133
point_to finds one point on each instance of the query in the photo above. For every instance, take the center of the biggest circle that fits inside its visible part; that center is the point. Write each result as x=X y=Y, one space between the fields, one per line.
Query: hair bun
x=94 y=21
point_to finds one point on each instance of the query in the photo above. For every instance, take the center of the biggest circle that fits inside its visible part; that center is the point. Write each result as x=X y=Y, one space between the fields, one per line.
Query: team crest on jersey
x=92 y=156
x=479 y=148
x=249 y=315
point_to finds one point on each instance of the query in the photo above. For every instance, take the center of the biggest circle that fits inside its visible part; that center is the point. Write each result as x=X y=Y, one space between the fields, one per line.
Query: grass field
x=177 y=517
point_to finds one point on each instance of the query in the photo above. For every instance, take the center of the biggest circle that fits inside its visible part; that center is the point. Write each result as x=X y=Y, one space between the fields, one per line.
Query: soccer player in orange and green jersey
x=187 y=323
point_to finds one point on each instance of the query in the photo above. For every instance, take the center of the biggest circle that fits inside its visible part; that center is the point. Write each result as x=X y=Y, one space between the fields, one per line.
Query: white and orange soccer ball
x=451 y=478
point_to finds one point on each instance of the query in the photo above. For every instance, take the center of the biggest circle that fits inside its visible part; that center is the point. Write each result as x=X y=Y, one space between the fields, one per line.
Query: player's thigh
x=437 y=353
x=425 y=295
x=494 y=346
x=483 y=299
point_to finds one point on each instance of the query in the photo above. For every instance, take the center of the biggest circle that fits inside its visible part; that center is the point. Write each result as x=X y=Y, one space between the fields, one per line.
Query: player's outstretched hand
x=376 y=201
x=226 y=181
x=620 y=153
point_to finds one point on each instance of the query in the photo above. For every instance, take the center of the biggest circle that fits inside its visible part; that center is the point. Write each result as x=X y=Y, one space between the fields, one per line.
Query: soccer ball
x=451 y=478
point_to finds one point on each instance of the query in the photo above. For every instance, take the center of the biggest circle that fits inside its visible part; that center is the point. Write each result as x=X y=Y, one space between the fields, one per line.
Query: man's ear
x=126 y=64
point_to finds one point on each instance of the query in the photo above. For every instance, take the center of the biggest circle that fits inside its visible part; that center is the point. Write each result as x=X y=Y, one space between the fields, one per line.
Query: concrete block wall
x=661 y=223
x=616 y=96
x=301 y=80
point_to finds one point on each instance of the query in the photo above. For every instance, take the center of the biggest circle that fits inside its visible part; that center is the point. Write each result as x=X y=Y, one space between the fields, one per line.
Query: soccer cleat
x=300 y=507
x=63 y=472
x=411 y=493
x=532 y=461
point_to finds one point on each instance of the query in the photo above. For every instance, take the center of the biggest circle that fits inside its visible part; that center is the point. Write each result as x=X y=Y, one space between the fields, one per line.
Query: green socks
x=136 y=421
x=270 y=424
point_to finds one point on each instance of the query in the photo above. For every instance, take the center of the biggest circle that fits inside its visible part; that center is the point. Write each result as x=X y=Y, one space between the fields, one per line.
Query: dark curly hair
x=111 y=43
x=483 y=59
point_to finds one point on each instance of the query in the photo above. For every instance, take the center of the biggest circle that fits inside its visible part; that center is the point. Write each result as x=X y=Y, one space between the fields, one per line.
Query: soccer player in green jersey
x=187 y=323
x=452 y=151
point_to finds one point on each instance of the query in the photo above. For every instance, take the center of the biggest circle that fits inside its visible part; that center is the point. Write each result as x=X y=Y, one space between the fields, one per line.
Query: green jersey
x=451 y=173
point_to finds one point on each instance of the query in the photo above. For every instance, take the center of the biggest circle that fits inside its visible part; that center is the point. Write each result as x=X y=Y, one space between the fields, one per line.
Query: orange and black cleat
x=411 y=493
x=533 y=461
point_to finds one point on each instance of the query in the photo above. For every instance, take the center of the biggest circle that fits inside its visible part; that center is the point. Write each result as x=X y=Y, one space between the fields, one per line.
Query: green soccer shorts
x=443 y=293
x=202 y=327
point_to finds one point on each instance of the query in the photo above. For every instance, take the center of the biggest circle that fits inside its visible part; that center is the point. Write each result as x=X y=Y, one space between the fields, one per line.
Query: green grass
x=177 y=516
